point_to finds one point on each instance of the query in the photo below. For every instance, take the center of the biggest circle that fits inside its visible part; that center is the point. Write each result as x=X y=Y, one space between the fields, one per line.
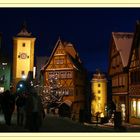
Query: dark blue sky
x=89 y=29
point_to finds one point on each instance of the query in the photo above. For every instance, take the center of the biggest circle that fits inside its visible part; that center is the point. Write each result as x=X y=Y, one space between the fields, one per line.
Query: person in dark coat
x=8 y=106
x=20 y=103
x=34 y=111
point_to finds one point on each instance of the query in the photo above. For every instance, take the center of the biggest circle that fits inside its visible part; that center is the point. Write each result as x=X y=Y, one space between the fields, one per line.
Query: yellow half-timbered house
x=66 y=64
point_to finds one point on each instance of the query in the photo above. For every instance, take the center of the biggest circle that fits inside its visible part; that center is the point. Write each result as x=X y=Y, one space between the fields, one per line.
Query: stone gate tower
x=23 y=54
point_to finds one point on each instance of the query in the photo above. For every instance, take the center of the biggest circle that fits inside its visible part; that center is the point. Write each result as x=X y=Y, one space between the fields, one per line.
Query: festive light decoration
x=52 y=93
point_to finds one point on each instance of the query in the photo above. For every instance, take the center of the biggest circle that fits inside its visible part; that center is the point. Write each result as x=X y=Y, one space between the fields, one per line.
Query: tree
x=51 y=94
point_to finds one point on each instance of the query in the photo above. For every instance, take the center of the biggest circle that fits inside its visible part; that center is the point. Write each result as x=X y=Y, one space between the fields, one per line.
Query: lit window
x=133 y=108
x=4 y=64
x=63 y=74
x=69 y=74
x=1 y=89
x=59 y=61
x=138 y=109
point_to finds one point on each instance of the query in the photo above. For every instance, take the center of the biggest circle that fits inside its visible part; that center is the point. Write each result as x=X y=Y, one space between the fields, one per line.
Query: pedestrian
x=20 y=103
x=34 y=111
x=8 y=106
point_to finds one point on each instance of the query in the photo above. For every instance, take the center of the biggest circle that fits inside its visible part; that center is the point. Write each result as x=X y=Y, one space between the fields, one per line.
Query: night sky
x=89 y=29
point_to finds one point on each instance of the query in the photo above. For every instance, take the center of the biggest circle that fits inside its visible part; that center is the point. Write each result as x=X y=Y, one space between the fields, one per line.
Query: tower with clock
x=23 y=54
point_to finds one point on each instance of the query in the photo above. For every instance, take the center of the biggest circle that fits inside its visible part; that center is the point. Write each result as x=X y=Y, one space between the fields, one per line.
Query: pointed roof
x=71 y=53
x=24 y=32
x=123 y=43
x=135 y=43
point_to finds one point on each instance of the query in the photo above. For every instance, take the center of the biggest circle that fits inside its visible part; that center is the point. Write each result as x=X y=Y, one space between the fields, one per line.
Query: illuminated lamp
x=23 y=76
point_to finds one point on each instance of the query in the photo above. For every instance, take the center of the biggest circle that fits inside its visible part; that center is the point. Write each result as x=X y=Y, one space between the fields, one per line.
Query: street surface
x=54 y=123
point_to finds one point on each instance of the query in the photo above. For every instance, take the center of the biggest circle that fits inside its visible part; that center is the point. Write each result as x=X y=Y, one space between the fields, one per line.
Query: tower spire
x=24 y=32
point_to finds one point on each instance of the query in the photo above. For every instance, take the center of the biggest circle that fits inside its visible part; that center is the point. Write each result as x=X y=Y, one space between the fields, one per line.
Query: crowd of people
x=26 y=104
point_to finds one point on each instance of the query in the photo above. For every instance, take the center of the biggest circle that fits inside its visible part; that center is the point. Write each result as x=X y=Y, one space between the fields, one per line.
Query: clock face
x=23 y=55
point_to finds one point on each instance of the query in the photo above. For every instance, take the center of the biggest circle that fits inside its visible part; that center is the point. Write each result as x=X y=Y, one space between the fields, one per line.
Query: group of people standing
x=29 y=108
x=7 y=101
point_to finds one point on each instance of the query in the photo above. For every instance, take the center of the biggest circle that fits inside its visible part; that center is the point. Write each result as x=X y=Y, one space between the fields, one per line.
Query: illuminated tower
x=99 y=94
x=23 y=54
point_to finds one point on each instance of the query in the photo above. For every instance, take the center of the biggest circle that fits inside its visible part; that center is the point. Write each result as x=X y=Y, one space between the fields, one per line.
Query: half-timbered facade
x=134 y=79
x=66 y=64
x=118 y=60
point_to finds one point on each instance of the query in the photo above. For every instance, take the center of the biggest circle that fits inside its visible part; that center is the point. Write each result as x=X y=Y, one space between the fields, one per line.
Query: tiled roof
x=123 y=42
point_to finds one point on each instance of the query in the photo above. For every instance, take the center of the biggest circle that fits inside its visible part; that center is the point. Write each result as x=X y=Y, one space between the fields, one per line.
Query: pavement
x=126 y=127
x=53 y=123
x=13 y=127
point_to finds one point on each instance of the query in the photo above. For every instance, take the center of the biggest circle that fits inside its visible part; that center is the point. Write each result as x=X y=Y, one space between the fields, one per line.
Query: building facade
x=23 y=55
x=65 y=63
x=99 y=95
x=134 y=79
x=120 y=49
x=5 y=68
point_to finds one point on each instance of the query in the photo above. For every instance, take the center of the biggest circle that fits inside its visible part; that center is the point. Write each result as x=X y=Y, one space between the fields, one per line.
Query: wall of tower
x=23 y=57
x=99 y=97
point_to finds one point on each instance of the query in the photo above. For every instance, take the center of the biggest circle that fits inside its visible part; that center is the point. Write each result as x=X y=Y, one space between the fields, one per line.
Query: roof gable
x=65 y=49
x=123 y=43
x=135 y=50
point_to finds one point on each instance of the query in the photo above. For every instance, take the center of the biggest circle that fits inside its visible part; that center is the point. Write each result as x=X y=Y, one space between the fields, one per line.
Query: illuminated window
x=138 y=109
x=59 y=61
x=1 y=89
x=133 y=108
x=63 y=74
x=69 y=74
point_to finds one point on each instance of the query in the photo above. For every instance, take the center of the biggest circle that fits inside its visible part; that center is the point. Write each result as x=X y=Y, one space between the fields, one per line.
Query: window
x=133 y=108
x=135 y=77
x=23 y=44
x=99 y=91
x=99 y=85
x=59 y=61
x=124 y=81
x=70 y=91
x=69 y=74
x=63 y=74
x=138 y=109
x=22 y=72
